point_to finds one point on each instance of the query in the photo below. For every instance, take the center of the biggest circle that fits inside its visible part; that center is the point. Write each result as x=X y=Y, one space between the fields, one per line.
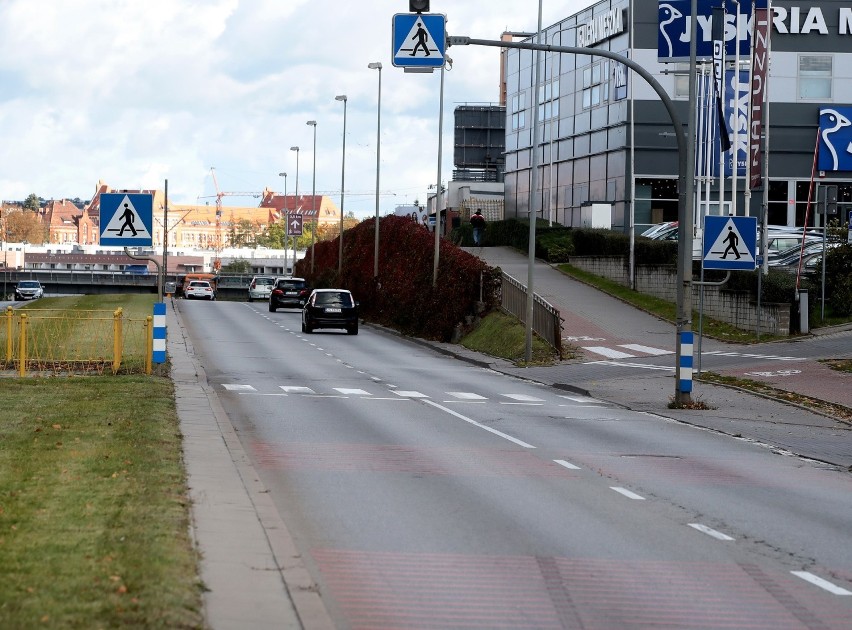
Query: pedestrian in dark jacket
x=478 y=223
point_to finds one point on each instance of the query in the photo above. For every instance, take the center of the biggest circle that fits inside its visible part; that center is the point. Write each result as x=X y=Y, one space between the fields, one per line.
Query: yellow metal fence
x=75 y=342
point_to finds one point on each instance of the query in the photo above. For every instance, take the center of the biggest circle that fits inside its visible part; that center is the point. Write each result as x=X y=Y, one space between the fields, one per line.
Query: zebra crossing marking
x=296 y=389
x=771 y=357
x=610 y=353
x=403 y=395
x=656 y=352
x=409 y=394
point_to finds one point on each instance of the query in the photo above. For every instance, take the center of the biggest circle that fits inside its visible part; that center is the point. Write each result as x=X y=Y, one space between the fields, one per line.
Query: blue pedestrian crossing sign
x=419 y=40
x=730 y=243
x=126 y=219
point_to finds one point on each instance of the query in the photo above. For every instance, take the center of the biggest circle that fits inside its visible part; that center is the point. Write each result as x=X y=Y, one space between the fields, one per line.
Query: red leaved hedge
x=404 y=297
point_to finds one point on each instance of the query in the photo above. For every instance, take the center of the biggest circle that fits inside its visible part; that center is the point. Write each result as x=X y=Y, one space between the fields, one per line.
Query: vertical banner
x=759 y=70
x=736 y=112
x=718 y=73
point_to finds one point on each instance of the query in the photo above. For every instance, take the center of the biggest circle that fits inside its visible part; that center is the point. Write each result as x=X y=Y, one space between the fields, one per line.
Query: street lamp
x=286 y=216
x=313 y=124
x=342 y=97
x=377 y=66
x=296 y=149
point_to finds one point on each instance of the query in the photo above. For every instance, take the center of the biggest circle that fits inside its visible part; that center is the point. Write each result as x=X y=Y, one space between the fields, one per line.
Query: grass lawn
x=501 y=335
x=94 y=514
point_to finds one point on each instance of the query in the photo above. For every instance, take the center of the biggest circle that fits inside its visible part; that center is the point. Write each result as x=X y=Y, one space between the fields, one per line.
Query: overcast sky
x=135 y=92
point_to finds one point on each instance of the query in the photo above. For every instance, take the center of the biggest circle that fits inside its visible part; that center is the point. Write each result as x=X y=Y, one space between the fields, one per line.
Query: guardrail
x=547 y=322
x=75 y=342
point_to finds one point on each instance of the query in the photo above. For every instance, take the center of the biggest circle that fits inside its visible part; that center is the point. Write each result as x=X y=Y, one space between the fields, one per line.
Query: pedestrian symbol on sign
x=126 y=225
x=730 y=242
x=419 y=40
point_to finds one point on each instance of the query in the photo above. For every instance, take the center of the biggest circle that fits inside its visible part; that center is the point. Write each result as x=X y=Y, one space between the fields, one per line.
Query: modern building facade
x=605 y=136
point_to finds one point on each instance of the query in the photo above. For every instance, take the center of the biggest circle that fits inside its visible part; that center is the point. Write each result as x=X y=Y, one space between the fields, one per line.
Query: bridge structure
x=229 y=287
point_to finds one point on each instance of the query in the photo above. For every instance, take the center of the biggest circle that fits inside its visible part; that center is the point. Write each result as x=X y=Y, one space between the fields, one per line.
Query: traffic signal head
x=418 y=6
x=831 y=199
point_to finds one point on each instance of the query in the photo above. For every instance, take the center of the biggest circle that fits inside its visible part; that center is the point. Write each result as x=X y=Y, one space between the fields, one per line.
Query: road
x=423 y=491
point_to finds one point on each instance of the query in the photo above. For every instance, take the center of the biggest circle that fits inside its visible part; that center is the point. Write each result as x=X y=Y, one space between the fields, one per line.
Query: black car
x=289 y=293
x=330 y=308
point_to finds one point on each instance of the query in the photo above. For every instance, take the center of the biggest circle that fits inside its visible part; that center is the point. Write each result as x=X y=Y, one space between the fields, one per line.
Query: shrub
x=838 y=279
x=404 y=297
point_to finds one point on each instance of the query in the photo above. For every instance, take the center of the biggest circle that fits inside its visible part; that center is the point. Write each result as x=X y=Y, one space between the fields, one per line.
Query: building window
x=519 y=104
x=548 y=98
x=815 y=77
x=595 y=84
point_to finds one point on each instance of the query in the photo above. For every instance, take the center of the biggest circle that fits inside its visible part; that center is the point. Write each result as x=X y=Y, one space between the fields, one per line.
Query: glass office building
x=605 y=137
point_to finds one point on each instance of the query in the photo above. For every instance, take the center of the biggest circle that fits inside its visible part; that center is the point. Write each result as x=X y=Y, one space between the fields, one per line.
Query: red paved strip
x=411 y=590
x=389 y=458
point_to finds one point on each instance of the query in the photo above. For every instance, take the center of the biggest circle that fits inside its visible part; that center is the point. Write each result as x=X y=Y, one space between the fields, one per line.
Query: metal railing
x=75 y=342
x=547 y=322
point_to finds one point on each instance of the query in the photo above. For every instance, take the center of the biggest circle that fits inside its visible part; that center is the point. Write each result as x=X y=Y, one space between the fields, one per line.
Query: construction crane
x=217 y=245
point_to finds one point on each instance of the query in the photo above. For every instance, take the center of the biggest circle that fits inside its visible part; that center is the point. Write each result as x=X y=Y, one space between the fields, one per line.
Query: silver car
x=260 y=288
x=28 y=290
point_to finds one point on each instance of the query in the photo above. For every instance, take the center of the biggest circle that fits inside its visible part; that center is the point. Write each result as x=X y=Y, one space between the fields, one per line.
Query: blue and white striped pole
x=159 y=353
x=684 y=368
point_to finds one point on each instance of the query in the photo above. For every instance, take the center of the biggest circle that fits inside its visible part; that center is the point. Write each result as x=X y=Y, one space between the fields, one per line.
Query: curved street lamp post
x=286 y=217
x=296 y=149
x=313 y=124
x=342 y=97
x=377 y=66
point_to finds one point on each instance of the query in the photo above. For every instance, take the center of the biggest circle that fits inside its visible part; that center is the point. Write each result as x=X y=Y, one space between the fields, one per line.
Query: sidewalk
x=252 y=573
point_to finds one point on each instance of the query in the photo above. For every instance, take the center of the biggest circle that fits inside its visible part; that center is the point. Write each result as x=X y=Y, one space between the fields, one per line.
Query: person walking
x=478 y=223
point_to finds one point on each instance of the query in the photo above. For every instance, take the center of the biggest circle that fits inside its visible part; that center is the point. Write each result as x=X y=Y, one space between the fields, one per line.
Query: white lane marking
x=568 y=465
x=634 y=365
x=627 y=493
x=463 y=402
x=410 y=394
x=352 y=392
x=505 y=436
x=295 y=389
x=582 y=400
x=467 y=396
x=657 y=352
x=609 y=352
x=710 y=532
x=235 y=387
x=774 y=357
x=823 y=584
x=523 y=398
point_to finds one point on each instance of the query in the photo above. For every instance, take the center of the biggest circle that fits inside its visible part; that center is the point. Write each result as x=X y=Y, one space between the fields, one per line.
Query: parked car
x=260 y=288
x=289 y=292
x=199 y=290
x=790 y=257
x=28 y=290
x=655 y=229
x=330 y=308
x=137 y=270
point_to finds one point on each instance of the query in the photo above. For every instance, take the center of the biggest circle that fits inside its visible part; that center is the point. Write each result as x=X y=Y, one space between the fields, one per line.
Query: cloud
x=135 y=93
